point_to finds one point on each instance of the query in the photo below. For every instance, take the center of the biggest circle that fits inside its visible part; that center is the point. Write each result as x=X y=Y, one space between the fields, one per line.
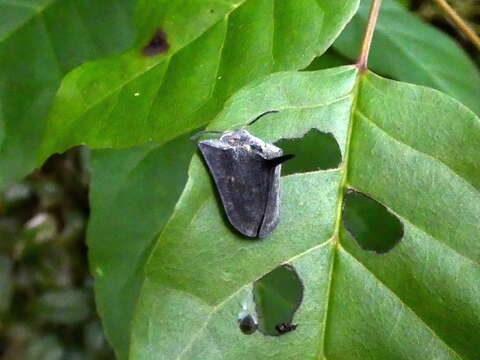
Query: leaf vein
x=434 y=334
x=465 y=257
x=354 y=93
x=436 y=159
x=236 y=292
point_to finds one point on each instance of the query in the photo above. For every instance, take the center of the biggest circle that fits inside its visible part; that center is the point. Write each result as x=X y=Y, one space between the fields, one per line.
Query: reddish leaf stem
x=367 y=40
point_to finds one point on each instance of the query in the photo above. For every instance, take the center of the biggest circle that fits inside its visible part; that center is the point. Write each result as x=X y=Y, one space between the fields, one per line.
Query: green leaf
x=117 y=282
x=132 y=194
x=45 y=347
x=412 y=149
x=410 y=50
x=212 y=49
x=41 y=40
x=68 y=306
x=6 y=285
x=329 y=59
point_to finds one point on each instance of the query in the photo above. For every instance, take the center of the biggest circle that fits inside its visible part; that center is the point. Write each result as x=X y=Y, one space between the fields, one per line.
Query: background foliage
x=50 y=311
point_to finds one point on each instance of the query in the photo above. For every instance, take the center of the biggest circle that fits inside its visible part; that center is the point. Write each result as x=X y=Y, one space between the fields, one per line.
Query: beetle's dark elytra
x=246 y=171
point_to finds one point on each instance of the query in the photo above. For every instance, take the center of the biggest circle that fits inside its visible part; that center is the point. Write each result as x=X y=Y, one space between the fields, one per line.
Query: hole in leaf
x=370 y=223
x=277 y=296
x=158 y=44
x=314 y=151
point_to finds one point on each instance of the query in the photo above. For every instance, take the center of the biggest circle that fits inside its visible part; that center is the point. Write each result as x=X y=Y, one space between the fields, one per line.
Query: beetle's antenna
x=281 y=159
x=261 y=115
x=203 y=132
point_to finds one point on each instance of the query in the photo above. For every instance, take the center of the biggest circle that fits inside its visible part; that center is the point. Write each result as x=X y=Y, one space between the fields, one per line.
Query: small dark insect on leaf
x=248 y=325
x=246 y=171
x=157 y=45
x=285 y=328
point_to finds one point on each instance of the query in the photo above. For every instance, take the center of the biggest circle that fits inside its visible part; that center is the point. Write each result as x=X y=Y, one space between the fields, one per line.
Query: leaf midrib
x=218 y=306
x=337 y=247
x=336 y=250
x=338 y=217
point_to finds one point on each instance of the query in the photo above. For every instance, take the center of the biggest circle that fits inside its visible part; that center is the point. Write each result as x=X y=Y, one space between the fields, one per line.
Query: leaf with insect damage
x=127 y=100
x=409 y=149
x=213 y=46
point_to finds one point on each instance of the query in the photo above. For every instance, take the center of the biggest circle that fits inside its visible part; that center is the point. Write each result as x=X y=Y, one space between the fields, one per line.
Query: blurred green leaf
x=76 y=355
x=9 y=226
x=132 y=194
x=404 y=3
x=50 y=193
x=74 y=225
x=412 y=149
x=40 y=41
x=16 y=195
x=38 y=230
x=6 y=285
x=54 y=268
x=94 y=339
x=214 y=47
x=45 y=348
x=67 y=306
x=45 y=287
x=408 y=49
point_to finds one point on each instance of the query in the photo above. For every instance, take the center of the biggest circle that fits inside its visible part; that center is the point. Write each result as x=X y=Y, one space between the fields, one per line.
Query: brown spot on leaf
x=157 y=45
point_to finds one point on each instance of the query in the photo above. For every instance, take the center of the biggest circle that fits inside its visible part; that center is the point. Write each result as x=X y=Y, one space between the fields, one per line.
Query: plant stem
x=459 y=22
x=367 y=40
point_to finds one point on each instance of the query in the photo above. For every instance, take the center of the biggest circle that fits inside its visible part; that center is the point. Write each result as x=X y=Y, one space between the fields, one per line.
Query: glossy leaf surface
x=40 y=41
x=133 y=98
